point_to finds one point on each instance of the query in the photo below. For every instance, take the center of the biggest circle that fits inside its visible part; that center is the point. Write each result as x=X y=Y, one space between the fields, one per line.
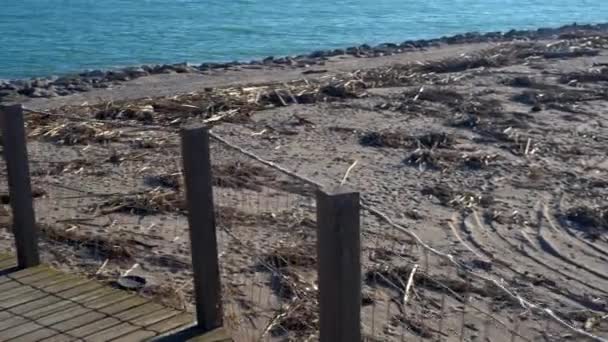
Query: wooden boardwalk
x=38 y=303
x=42 y=304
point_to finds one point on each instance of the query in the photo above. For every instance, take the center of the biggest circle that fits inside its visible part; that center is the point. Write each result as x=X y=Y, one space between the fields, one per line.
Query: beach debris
x=396 y=139
x=131 y=282
x=593 y=221
x=76 y=133
x=106 y=247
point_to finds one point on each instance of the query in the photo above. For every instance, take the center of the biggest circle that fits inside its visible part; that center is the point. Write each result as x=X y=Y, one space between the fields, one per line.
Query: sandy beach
x=493 y=152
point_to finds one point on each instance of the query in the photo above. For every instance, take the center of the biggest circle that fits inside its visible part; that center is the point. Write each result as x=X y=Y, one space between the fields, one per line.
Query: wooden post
x=201 y=218
x=339 y=254
x=20 y=189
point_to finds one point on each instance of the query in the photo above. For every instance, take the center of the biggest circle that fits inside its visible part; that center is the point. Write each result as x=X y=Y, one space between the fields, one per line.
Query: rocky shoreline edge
x=81 y=82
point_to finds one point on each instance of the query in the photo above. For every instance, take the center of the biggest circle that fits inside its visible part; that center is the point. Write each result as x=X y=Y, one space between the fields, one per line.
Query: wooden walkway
x=42 y=304
x=38 y=303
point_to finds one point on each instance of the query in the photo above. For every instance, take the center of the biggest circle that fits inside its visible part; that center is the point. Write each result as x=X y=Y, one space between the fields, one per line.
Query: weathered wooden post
x=201 y=219
x=339 y=260
x=20 y=188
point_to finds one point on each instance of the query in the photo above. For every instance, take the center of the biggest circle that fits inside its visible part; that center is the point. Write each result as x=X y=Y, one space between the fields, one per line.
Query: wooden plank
x=36 y=274
x=147 y=320
x=58 y=285
x=12 y=321
x=63 y=315
x=106 y=305
x=6 y=256
x=123 y=305
x=17 y=283
x=20 y=329
x=109 y=299
x=155 y=317
x=78 y=290
x=201 y=219
x=20 y=188
x=60 y=338
x=171 y=323
x=67 y=305
x=29 y=271
x=36 y=278
x=93 y=328
x=34 y=284
x=84 y=298
x=36 y=304
x=139 y=335
x=139 y=311
x=5 y=279
x=111 y=333
x=37 y=335
x=21 y=299
x=78 y=321
x=27 y=294
x=51 y=300
x=6 y=264
x=339 y=265
x=21 y=273
x=217 y=335
x=48 y=310
x=95 y=315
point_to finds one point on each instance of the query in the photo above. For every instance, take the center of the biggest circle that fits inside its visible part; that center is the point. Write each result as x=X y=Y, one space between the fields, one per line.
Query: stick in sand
x=408 y=287
x=348 y=172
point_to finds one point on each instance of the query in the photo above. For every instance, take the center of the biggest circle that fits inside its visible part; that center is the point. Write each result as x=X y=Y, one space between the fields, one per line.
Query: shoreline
x=61 y=86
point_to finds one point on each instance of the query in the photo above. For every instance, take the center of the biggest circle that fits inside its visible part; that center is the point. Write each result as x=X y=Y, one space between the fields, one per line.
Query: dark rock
x=147 y=68
x=164 y=69
x=223 y=66
x=472 y=37
x=117 y=75
x=21 y=84
x=40 y=92
x=408 y=44
x=338 y=52
x=387 y=46
x=93 y=74
x=157 y=69
x=364 y=47
x=352 y=50
x=135 y=72
x=5 y=85
x=317 y=54
x=40 y=83
x=268 y=60
x=283 y=60
x=66 y=80
x=521 y=81
x=83 y=87
x=101 y=85
x=546 y=32
x=7 y=93
x=536 y=108
x=493 y=35
x=183 y=68
x=510 y=34
x=421 y=43
x=63 y=92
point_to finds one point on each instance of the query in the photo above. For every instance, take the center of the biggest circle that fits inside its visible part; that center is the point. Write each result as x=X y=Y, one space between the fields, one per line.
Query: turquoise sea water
x=42 y=37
